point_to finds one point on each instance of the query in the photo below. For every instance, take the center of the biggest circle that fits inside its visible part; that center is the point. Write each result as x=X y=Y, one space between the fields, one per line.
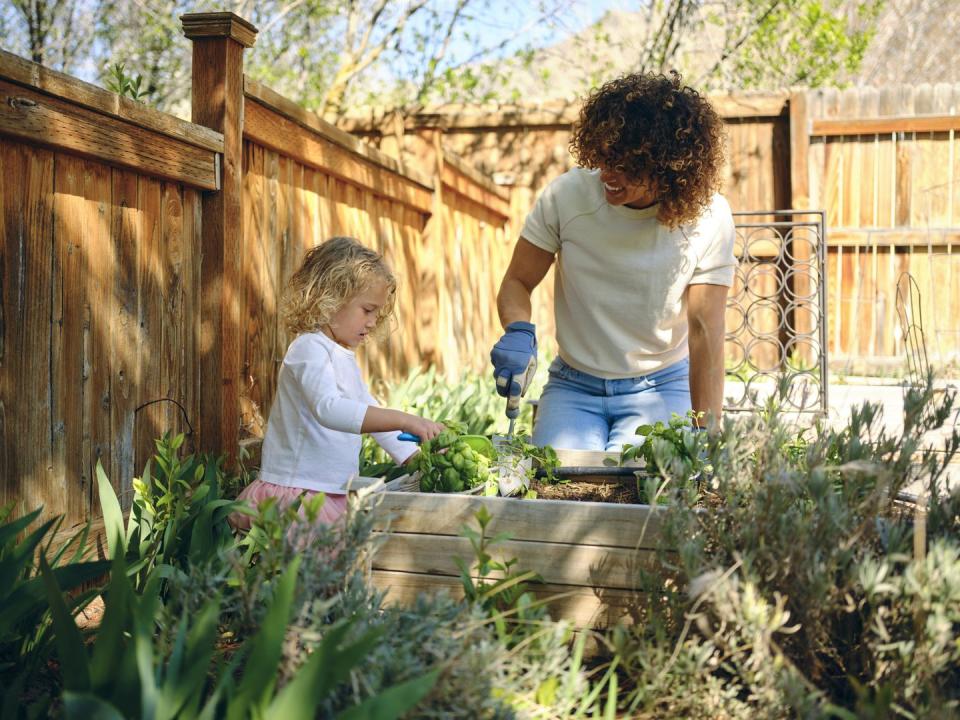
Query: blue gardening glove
x=512 y=356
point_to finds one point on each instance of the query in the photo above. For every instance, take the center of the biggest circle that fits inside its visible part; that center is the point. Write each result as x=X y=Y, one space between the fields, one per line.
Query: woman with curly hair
x=644 y=250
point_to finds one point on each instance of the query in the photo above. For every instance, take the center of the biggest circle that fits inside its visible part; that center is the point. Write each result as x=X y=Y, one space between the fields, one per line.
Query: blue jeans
x=578 y=411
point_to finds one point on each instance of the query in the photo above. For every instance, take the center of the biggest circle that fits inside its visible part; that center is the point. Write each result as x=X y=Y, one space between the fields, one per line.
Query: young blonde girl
x=342 y=294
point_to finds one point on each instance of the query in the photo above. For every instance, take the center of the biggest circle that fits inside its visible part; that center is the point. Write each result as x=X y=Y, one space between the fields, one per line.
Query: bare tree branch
x=439 y=54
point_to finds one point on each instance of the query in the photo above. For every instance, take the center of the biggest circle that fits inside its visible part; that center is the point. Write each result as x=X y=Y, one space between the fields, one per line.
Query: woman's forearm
x=706 y=373
x=513 y=302
x=706 y=306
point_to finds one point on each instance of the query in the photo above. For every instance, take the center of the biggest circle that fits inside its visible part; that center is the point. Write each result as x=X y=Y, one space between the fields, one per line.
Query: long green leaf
x=84 y=706
x=112 y=514
x=117 y=621
x=611 y=709
x=202 y=538
x=80 y=538
x=222 y=688
x=12 y=529
x=144 y=624
x=394 y=702
x=19 y=558
x=329 y=665
x=30 y=597
x=12 y=699
x=260 y=670
x=74 y=663
x=183 y=686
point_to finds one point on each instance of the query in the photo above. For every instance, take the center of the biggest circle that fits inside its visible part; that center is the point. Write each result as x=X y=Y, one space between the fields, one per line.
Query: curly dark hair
x=653 y=126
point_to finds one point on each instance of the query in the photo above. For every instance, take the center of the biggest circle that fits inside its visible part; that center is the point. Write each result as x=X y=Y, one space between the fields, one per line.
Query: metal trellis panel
x=776 y=312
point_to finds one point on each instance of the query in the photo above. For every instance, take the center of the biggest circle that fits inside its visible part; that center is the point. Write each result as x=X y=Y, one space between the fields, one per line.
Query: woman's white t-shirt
x=621 y=276
x=313 y=434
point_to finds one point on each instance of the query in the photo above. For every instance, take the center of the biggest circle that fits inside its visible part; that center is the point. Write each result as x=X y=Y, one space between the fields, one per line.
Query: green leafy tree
x=779 y=43
x=333 y=56
x=328 y=55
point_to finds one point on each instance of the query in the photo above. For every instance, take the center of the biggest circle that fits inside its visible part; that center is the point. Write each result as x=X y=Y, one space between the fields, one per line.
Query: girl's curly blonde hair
x=653 y=126
x=330 y=275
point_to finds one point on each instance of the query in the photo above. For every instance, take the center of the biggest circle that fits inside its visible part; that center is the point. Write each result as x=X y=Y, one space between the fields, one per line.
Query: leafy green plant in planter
x=454 y=462
x=673 y=451
x=471 y=402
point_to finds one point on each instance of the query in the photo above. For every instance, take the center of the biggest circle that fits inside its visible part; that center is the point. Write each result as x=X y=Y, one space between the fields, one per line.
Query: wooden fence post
x=219 y=39
x=803 y=260
x=799 y=152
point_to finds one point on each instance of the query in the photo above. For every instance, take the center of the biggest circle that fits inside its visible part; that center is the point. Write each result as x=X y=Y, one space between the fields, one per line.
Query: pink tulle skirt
x=334 y=506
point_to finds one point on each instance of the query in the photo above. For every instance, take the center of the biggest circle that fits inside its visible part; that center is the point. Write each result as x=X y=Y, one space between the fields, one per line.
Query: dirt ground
x=623 y=490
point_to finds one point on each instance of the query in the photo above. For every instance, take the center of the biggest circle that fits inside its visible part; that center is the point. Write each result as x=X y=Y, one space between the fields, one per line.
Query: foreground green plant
x=794 y=592
x=129 y=675
x=178 y=515
x=25 y=636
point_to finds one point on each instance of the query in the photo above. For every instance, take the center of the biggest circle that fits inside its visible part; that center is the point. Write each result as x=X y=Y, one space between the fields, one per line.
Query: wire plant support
x=776 y=312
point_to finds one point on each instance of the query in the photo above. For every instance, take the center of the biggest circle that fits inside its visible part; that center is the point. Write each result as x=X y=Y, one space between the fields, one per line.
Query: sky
x=506 y=17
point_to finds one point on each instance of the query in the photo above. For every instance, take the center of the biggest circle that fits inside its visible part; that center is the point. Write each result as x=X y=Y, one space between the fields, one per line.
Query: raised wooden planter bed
x=587 y=553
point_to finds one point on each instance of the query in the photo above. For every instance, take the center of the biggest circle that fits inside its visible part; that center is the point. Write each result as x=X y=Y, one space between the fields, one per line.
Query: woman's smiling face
x=352 y=323
x=618 y=189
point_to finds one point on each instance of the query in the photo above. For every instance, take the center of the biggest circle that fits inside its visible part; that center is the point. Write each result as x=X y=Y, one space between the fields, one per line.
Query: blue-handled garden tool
x=521 y=383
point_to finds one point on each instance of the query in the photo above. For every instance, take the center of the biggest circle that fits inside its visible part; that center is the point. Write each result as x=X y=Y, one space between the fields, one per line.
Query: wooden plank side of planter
x=563 y=521
x=556 y=563
x=583 y=606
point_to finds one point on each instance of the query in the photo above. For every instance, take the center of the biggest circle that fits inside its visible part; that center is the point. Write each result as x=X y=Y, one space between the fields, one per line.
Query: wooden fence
x=100 y=214
x=143 y=258
x=884 y=165
x=443 y=233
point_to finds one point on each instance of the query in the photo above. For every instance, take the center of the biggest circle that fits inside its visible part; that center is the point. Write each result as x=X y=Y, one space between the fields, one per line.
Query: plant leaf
x=112 y=514
x=84 y=706
x=74 y=662
x=395 y=701
x=260 y=670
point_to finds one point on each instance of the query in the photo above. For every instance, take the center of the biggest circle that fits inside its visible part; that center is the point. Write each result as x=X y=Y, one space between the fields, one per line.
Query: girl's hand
x=421 y=427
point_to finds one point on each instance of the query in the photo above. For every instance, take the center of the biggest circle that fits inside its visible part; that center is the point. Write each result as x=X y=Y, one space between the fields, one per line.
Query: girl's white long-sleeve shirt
x=313 y=433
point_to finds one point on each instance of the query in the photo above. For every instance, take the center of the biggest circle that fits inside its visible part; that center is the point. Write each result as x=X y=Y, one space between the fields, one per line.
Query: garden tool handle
x=523 y=382
x=408 y=437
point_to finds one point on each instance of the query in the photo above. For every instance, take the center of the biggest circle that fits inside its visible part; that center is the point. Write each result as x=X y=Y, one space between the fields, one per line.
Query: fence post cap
x=219 y=24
